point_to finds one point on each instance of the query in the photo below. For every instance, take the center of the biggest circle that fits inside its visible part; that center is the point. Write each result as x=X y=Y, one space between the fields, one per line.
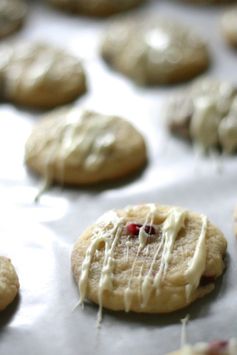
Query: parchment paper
x=39 y=238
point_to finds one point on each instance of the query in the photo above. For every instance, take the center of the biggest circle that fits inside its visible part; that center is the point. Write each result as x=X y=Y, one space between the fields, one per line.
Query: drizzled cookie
x=154 y=51
x=96 y=7
x=229 y=28
x=214 y=348
x=9 y=283
x=148 y=258
x=40 y=75
x=206 y=113
x=76 y=147
x=12 y=16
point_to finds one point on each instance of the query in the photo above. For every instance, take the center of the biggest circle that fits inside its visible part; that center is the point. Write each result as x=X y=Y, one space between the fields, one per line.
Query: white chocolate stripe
x=142 y=242
x=105 y=282
x=102 y=233
x=142 y=233
x=83 y=281
x=171 y=228
x=198 y=263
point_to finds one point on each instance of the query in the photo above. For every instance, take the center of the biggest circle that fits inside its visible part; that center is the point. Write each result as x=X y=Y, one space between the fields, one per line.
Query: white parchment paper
x=39 y=238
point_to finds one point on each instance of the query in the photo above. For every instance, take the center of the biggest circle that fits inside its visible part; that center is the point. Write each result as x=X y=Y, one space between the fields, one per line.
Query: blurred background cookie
x=40 y=75
x=96 y=7
x=77 y=147
x=154 y=51
x=209 y=2
x=206 y=113
x=148 y=258
x=229 y=26
x=9 y=283
x=12 y=16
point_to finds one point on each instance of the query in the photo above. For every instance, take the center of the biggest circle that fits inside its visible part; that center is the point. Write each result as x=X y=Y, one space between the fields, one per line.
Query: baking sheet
x=39 y=238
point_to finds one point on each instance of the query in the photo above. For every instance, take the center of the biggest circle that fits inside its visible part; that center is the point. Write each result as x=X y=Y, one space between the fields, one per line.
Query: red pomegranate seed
x=134 y=228
x=205 y=280
x=217 y=347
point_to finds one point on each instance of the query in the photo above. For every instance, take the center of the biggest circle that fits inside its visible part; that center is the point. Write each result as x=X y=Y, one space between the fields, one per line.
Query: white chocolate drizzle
x=184 y=322
x=128 y=294
x=107 y=231
x=171 y=227
x=197 y=264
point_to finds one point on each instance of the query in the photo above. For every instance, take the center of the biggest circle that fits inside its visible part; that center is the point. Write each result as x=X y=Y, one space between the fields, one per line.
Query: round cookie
x=206 y=113
x=229 y=27
x=40 y=76
x=12 y=16
x=220 y=347
x=148 y=258
x=76 y=147
x=9 y=283
x=154 y=51
x=96 y=7
x=209 y=2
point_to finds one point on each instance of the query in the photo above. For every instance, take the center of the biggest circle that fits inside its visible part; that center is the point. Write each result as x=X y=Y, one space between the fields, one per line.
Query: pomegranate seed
x=134 y=228
x=205 y=280
x=217 y=347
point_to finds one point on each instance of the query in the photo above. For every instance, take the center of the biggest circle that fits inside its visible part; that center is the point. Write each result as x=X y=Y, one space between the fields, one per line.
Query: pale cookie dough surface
x=206 y=113
x=155 y=51
x=40 y=75
x=148 y=258
x=12 y=16
x=214 y=348
x=229 y=26
x=9 y=283
x=96 y=7
x=72 y=146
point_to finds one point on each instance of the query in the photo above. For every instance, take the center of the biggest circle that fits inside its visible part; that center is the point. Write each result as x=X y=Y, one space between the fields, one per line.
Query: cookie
x=12 y=16
x=148 y=258
x=228 y=24
x=154 y=51
x=220 y=347
x=96 y=7
x=9 y=283
x=206 y=114
x=76 y=147
x=209 y=2
x=40 y=76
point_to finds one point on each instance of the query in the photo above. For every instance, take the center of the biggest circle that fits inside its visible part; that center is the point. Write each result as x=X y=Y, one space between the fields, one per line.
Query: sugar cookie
x=221 y=347
x=155 y=51
x=148 y=258
x=40 y=75
x=9 y=283
x=229 y=28
x=12 y=16
x=72 y=146
x=96 y=7
x=206 y=113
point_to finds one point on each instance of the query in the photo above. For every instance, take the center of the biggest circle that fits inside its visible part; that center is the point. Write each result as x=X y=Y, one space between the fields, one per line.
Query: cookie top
x=96 y=7
x=214 y=348
x=73 y=146
x=40 y=75
x=229 y=28
x=206 y=113
x=148 y=258
x=9 y=283
x=12 y=15
x=154 y=51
